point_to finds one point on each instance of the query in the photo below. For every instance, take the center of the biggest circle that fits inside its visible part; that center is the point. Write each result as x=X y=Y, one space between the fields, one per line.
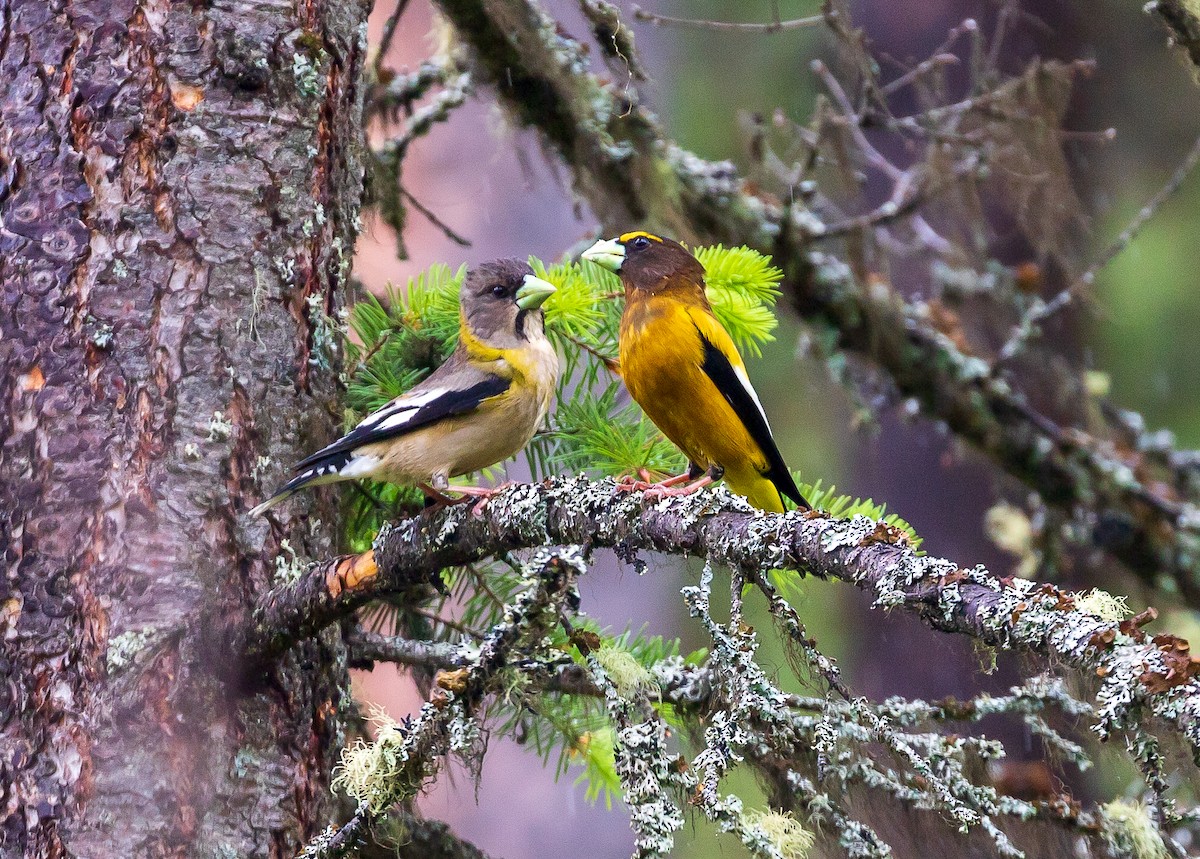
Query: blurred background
x=493 y=185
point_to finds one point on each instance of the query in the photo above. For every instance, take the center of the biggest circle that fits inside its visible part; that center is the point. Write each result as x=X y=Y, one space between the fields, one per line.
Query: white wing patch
x=400 y=411
x=745 y=380
x=362 y=465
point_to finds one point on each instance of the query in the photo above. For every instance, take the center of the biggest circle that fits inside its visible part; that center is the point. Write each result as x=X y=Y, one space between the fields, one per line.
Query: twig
x=1144 y=214
x=611 y=364
x=389 y=33
x=449 y=623
x=939 y=57
x=787 y=617
x=904 y=202
x=434 y=219
x=937 y=61
x=775 y=26
x=1039 y=312
x=439 y=109
x=366 y=646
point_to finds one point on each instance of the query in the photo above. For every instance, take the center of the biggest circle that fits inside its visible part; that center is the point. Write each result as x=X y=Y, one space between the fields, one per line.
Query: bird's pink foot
x=483 y=494
x=646 y=483
x=438 y=497
x=663 y=490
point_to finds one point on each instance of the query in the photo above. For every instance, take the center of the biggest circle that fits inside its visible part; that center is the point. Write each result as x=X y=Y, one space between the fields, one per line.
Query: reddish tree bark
x=178 y=183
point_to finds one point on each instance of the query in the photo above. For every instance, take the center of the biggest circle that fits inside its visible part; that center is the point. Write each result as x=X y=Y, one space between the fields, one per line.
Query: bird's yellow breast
x=662 y=362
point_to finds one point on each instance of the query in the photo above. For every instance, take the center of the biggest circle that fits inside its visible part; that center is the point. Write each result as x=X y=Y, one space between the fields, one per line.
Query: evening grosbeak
x=481 y=406
x=682 y=368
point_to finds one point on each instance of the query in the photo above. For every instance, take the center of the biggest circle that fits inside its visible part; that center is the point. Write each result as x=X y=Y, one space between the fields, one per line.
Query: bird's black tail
x=786 y=484
x=323 y=470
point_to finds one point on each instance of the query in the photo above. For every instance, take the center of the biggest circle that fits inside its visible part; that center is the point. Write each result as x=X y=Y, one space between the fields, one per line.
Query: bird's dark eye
x=641 y=243
x=498 y=291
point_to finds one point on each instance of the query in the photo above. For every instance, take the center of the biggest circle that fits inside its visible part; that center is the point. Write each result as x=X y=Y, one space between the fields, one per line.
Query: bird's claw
x=481 y=495
x=629 y=484
x=667 y=490
x=646 y=483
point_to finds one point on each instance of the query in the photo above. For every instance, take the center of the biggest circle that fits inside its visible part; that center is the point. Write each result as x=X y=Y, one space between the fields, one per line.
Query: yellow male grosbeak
x=480 y=407
x=681 y=367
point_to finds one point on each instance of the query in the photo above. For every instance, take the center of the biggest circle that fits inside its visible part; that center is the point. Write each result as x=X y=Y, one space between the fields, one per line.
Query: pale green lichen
x=1103 y=605
x=288 y=566
x=219 y=428
x=102 y=334
x=318 y=847
x=378 y=773
x=261 y=465
x=627 y=674
x=1129 y=831
x=308 y=76
x=285 y=267
x=785 y=834
x=326 y=333
x=123 y=649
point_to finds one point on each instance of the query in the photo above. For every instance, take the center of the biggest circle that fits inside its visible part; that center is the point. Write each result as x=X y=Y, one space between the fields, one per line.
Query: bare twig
x=775 y=26
x=611 y=364
x=389 y=33
x=906 y=199
x=1039 y=312
x=447 y=231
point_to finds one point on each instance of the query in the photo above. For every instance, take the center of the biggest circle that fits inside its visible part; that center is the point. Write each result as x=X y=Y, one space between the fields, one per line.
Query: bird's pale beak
x=533 y=292
x=607 y=253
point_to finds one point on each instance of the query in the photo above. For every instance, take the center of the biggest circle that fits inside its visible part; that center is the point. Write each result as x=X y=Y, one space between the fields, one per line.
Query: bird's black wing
x=746 y=406
x=416 y=409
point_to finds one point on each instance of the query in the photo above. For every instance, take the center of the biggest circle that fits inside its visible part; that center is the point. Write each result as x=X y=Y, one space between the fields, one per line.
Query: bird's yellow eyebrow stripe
x=628 y=237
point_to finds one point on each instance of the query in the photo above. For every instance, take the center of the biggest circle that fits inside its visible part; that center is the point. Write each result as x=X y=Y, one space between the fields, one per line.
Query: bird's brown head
x=501 y=303
x=650 y=264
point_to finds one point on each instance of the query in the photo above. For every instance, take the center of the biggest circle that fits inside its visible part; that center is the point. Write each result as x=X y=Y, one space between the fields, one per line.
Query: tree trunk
x=178 y=185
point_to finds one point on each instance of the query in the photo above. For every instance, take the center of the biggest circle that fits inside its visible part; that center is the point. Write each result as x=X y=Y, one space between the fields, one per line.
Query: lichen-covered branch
x=630 y=172
x=1182 y=20
x=405 y=755
x=1138 y=674
x=687 y=687
x=318 y=597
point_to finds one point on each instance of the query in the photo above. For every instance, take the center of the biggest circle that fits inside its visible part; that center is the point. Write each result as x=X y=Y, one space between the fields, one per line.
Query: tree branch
x=446 y=722
x=776 y=26
x=631 y=173
x=1138 y=673
x=1183 y=23
x=685 y=686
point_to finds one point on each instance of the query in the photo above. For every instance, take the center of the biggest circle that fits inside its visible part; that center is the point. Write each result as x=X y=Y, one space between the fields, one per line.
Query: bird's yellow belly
x=667 y=379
